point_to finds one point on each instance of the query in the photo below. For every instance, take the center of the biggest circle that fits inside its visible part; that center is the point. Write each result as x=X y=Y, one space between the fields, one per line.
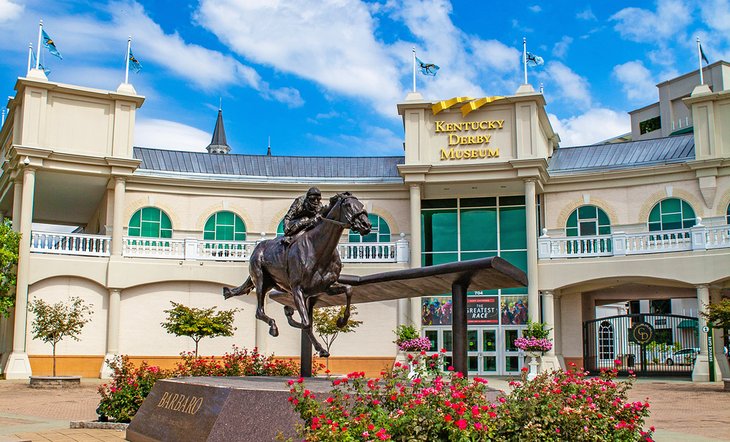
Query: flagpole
x=30 y=56
x=524 y=56
x=38 y=49
x=699 y=57
x=129 y=48
x=414 y=69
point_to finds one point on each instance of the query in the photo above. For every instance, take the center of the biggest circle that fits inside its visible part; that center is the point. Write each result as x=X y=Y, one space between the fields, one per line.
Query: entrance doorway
x=490 y=349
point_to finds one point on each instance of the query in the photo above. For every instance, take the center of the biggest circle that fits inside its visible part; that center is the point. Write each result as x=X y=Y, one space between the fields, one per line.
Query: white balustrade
x=368 y=252
x=223 y=250
x=699 y=237
x=70 y=243
x=165 y=248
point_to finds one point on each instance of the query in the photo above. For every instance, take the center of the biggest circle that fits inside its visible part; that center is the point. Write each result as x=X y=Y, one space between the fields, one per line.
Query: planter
x=50 y=382
x=534 y=364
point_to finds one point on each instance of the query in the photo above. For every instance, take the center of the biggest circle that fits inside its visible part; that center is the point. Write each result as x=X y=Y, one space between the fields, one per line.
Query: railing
x=699 y=237
x=195 y=249
x=70 y=244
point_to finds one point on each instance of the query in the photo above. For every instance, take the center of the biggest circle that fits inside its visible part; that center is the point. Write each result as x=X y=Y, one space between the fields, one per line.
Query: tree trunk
x=196 y=348
x=54 y=359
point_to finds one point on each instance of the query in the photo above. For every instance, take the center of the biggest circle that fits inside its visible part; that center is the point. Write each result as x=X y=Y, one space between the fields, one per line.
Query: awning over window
x=688 y=323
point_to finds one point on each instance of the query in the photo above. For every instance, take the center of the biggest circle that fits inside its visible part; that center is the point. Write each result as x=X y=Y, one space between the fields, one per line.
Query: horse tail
x=244 y=289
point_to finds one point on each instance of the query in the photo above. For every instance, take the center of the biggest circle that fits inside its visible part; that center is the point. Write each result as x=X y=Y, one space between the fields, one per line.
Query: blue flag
x=427 y=68
x=134 y=64
x=40 y=65
x=50 y=44
x=535 y=59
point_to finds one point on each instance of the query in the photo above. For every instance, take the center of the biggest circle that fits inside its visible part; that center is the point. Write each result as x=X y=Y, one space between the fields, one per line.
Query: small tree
x=719 y=314
x=324 y=320
x=198 y=323
x=9 y=241
x=54 y=322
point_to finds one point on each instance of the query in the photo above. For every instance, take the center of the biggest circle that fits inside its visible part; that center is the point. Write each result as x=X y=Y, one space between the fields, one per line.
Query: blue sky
x=324 y=77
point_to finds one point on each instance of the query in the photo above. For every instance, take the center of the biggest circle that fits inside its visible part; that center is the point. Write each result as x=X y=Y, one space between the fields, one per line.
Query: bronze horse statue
x=307 y=268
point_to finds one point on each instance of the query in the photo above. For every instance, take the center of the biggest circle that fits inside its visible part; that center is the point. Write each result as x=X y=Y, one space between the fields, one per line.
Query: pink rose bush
x=556 y=406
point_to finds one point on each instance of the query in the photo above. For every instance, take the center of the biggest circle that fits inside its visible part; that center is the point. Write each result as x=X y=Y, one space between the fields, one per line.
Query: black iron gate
x=645 y=344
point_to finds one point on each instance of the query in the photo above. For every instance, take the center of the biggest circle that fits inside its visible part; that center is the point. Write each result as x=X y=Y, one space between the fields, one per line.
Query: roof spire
x=268 y=150
x=218 y=143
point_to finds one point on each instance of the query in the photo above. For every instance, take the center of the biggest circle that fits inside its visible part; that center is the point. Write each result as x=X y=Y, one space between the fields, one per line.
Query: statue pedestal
x=218 y=409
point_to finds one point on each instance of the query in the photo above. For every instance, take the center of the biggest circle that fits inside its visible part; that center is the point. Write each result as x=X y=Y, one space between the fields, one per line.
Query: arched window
x=150 y=222
x=280 y=229
x=605 y=340
x=588 y=221
x=224 y=226
x=671 y=214
x=379 y=233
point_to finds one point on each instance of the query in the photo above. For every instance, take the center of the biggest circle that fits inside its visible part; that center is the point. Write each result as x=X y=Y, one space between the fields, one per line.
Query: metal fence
x=643 y=344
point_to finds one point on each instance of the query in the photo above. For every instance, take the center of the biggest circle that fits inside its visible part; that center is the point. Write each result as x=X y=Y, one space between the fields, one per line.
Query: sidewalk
x=681 y=411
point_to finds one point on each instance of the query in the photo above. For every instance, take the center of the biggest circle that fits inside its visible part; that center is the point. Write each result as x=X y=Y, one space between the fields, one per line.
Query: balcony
x=199 y=250
x=699 y=237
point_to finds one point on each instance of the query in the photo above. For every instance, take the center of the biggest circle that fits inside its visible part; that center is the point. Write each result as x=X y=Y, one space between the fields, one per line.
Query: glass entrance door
x=490 y=350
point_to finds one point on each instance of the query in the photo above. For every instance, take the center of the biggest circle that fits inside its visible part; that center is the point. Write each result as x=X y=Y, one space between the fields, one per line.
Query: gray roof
x=266 y=166
x=644 y=153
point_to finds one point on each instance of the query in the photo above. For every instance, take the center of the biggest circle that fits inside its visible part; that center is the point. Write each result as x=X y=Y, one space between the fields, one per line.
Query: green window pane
x=479 y=229
x=571 y=231
x=430 y=259
x=573 y=219
x=210 y=225
x=687 y=211
x=151 y=214
x=512 y=233
x=671 y=205
x=588 y=228
x=438 y=231
x=238 y=224
x=654 y=227
x=280 y=228
x=604 y=230
x=136 y=219
x=134 y=231
x=603 y=218
x=209 y=235
x=165 y=222
x=240 y=236
x=465 y=256
x=519 y=260
x=224 y=217
x=224 y=233
x=655 y=215
x=166 y=233
x=585 y=212
x=150 y=229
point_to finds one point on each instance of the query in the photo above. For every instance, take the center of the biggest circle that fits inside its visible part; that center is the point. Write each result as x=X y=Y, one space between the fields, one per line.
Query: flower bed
x=556 y=406
x=533 y=344
x=130 y=385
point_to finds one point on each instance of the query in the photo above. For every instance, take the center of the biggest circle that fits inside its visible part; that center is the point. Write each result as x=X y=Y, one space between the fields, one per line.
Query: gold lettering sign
x=180 y=402
x=456 y=138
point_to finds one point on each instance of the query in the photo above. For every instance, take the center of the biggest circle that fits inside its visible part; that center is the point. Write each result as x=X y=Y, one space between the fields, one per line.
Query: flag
x=134 y=64
x=50 y=45
x=703 y=56
x=427 y=68
x=536 y=59
x=40 y=65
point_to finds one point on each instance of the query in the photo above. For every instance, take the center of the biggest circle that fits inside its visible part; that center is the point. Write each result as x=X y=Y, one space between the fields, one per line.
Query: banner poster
x=513 y=310
x=436 y=310
x=482 y=310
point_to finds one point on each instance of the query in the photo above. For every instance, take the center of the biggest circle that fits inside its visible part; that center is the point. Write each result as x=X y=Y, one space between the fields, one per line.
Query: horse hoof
x=324 y=354
x=274 y=331
x=341 y=322
x=288 y=311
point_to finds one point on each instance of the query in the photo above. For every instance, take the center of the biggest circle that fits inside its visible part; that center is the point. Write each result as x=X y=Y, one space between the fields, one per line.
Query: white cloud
x=9 y=11
x=496 y=55
x=641 y=25
x=535 y=8
x=571 y=87
x=716 y=14
x=343 y=56
x=595 y=125
x=560 y=50
x=586 y=14
x=636 y=81
x=378 y=141
x=164 y=134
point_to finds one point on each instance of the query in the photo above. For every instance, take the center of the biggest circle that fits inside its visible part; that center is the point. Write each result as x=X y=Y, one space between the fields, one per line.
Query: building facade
x=639 y=227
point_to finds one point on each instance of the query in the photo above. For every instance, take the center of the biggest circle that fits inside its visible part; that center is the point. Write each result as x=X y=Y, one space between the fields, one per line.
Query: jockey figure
x=305 y=212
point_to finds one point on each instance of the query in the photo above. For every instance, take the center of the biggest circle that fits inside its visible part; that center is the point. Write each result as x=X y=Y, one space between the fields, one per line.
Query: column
x=17 y=198
x=118 y=216
x=18 y=366
x=414 y=316
x=112 y=330
x=722 y=368
x=549 y=359
x=533 y=296
x=701 y=370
